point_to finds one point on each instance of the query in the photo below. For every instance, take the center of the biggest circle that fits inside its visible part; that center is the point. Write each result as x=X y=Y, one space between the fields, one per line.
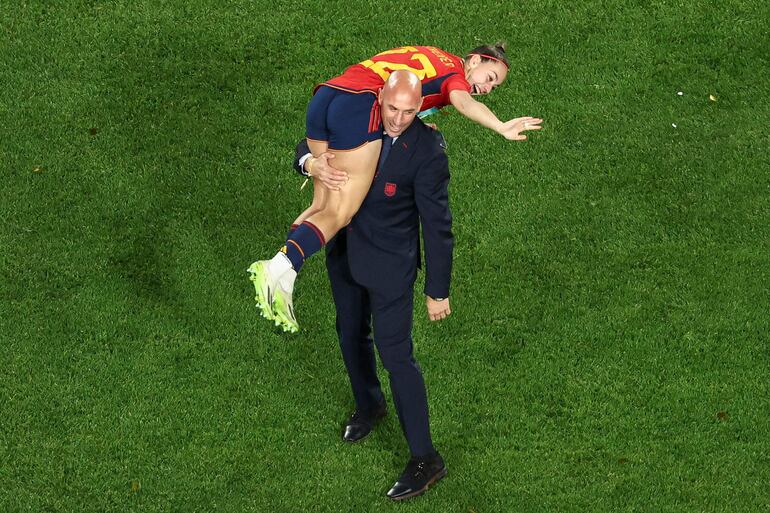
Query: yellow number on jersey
x=384 y=69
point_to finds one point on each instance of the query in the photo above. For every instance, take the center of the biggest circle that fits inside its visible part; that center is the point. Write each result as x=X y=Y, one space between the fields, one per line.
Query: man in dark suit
x=372 y=265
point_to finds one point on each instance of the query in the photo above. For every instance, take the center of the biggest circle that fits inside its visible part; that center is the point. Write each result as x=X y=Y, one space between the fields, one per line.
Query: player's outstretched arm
x=513 y=129
x=481 y=114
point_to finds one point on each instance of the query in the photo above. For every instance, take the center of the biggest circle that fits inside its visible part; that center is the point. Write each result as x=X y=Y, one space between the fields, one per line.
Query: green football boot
x=260 y=277
x=282 y=307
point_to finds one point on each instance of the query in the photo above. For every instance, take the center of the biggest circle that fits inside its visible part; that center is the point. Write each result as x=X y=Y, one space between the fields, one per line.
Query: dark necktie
x=387 y=142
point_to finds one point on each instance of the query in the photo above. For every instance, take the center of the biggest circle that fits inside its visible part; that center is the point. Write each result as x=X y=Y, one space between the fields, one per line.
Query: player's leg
x=342 y=205
x=355 y=138
x=311 y=235
x=280 y=266
x=319 y=190
x=265 y=274
x=350 y=123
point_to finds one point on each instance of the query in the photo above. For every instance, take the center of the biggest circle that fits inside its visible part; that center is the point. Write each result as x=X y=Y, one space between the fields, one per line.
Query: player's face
x=398 y=110
x=485 y=76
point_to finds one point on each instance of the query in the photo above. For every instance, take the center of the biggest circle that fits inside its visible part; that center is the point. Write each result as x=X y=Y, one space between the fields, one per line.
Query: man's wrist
x=439 y=299
x=305 y=164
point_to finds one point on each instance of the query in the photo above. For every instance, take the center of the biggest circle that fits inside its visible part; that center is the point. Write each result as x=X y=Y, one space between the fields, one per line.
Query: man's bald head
x=403 y=82
x=400 y=101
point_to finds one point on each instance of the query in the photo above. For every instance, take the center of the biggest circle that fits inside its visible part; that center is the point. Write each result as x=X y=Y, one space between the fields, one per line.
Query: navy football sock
x=303 y=242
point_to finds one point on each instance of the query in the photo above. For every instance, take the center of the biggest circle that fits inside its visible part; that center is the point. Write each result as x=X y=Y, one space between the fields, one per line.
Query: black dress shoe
x=419 y=475
x=361 y=424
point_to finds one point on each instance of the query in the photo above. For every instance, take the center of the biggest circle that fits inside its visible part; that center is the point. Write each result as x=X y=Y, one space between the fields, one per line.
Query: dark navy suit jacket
x=382 y=242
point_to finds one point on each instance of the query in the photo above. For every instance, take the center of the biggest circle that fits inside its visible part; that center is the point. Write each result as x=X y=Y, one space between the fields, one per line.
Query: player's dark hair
x=495 y=52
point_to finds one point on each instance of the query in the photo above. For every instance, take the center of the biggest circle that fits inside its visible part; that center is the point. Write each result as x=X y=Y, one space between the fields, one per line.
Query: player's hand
x=322 y=171
x=432 y=125
x=512 y=130
x=437 y=310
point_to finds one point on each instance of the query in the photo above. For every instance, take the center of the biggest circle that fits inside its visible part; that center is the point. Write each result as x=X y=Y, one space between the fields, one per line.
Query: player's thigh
x=351 y=125
x=320 y=193
x=360 y=165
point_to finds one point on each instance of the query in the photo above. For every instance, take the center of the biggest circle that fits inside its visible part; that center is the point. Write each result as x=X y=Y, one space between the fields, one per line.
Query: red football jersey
x=440 y=72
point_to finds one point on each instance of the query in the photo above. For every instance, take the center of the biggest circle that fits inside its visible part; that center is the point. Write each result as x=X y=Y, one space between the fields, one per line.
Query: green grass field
x=608 y=350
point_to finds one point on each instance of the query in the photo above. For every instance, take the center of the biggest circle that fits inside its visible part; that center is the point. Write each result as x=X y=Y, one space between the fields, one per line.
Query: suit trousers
x=357 y=308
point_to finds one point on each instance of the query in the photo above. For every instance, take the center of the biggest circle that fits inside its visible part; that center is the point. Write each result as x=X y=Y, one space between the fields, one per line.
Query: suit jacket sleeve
x=432 y=197
x=301 y=151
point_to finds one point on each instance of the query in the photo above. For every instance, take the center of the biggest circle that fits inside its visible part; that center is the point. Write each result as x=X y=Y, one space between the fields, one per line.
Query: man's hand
x=437 y=310
x=320 y=169
x=512 y=129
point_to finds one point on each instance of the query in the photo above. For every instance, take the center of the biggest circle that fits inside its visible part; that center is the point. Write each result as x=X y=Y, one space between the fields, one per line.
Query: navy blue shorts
x=343 y=119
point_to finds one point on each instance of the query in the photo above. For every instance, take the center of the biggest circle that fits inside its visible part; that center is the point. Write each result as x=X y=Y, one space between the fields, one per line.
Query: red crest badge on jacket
x=390 y=189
